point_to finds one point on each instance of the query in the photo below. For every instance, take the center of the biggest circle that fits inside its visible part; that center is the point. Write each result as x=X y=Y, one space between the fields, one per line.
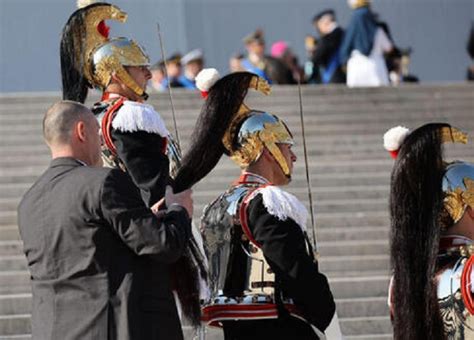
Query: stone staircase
x=350 y=174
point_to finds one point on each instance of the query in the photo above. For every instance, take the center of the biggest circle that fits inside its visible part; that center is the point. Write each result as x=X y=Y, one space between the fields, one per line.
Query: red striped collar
x=448 y=242
x=250 y=178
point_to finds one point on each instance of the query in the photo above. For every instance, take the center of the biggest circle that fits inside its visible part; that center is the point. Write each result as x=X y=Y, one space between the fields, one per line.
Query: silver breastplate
x=457 y=320
x=224 y=238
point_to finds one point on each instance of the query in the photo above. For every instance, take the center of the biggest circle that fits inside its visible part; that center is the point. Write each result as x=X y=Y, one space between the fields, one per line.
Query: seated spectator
x=325 y=59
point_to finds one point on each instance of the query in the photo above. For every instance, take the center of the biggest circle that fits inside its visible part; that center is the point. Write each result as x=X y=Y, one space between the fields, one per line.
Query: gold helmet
x=458 y=188
x=250 y=131
x=227 y=126
x=89 y=57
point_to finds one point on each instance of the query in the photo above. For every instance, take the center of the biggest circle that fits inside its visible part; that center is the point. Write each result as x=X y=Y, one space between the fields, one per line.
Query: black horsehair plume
x=416 y=200
x=223 y=102
x=74 y=83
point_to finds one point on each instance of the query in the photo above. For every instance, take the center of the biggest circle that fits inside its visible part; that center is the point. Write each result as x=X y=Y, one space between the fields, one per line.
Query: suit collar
x=66 y=161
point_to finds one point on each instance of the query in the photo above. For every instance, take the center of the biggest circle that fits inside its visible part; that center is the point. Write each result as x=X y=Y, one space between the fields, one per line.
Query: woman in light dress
x=363 y=48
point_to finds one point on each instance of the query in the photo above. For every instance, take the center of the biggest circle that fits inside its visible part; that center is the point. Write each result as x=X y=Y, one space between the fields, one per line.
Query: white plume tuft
x=84 y=3
x=393 y=138
x=206 y=79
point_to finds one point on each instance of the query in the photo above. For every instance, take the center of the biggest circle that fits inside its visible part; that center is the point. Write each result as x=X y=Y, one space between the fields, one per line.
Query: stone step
x=16 y=337
x=13 y=262
x=11 y=247
x=325 y=219
x=347 y=248
x=361 y=286
x=356 y=233
x=16 y=281
x=334 y=264
x=318 y=116
x=9 y=232
x=365 y=325
x=15 y=324
x=362 y=307
x=358 y=263
x=371 y=285
x=15 y=304
x=388 y=336
x=21 y=303
x=326 y=248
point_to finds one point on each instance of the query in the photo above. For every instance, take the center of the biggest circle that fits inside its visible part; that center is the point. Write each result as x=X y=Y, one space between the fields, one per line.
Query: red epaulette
x=106 y=124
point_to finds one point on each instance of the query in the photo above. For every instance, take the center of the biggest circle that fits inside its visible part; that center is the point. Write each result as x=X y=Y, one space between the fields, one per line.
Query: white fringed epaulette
x=135 y=116
x=282 y=205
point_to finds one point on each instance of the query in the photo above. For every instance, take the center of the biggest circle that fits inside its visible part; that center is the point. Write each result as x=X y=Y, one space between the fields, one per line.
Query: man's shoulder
x=278 y=203
x=134 y=116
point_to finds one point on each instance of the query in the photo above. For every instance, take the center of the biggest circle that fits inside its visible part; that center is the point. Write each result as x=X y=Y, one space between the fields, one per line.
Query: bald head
x=71 y=130
x=60 y=120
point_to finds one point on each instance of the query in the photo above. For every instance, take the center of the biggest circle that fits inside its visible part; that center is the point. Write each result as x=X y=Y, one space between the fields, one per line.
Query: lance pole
x=163 y=56
x=308 y=179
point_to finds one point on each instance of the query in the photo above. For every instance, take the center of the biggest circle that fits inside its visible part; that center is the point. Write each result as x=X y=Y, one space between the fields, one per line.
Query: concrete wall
x=30 y=30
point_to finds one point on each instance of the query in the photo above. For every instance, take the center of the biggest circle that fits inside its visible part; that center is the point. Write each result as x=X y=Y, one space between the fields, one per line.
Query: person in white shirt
x=363 y=48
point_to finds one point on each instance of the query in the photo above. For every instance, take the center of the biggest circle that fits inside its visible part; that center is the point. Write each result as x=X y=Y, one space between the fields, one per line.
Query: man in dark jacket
x=98 y=257
x=326 y=55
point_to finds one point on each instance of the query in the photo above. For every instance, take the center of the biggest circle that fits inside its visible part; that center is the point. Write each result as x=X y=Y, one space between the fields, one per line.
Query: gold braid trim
x=456 y=201
x=453 y=135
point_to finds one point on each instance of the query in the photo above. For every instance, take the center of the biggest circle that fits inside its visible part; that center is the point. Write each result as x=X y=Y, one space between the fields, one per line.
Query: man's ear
x=80 y=131
x=470 y=211
x=267 y=154
x=114 y=78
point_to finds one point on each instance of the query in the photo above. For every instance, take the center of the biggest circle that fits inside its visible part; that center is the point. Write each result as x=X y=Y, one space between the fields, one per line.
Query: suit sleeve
x=142 y=154
x=123 y=208
x=327 y=47
x=284 y=247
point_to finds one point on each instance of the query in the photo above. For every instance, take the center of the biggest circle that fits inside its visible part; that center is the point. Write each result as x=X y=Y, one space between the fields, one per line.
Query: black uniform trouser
x=283 y=328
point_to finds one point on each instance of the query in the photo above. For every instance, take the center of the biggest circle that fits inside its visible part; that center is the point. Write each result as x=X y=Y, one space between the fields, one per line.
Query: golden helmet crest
x=458 y=188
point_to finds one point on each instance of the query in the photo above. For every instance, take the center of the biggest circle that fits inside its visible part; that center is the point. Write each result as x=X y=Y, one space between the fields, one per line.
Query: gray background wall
x=30 y=30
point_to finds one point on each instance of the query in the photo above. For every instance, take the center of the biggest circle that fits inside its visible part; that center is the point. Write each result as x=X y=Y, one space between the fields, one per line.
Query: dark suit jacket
x=98 y=256
x=327 y=47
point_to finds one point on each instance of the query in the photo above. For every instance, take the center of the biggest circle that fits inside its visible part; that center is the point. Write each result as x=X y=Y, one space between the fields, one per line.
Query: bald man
x=98 y=257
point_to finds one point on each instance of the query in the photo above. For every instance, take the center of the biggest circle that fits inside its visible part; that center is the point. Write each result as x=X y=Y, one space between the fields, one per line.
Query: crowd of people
x=363 y=54
x=113 y=254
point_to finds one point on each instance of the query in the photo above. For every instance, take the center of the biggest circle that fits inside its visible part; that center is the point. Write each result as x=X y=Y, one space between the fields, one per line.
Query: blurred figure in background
x=271 y=69
x=363 y=48
x=311 y=73
x=326 y=62
x=256 y=60
x=470 y=50
x=398 y=63
x=280 y=50
x=235 y=63
x=192 y=63
x=157 y=76
x=173 y=71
